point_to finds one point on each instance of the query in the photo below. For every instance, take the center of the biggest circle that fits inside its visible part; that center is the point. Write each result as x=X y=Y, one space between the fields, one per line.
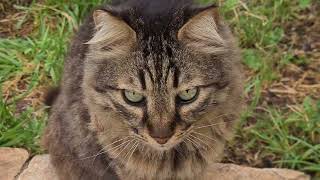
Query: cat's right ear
x=111 y=30
x=201 y=31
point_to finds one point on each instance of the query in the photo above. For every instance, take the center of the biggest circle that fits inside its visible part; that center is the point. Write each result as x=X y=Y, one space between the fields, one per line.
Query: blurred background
x=280 y=42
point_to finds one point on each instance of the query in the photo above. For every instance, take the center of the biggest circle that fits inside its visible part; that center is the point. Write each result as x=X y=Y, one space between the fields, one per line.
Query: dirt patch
x=301 y=78
x=12 y=21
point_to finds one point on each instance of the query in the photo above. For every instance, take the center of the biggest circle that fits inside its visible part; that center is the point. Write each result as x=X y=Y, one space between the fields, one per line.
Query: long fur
x=157 y=48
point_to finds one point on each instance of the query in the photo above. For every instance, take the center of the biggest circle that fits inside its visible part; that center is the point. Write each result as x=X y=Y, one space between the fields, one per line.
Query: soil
x=10 y=16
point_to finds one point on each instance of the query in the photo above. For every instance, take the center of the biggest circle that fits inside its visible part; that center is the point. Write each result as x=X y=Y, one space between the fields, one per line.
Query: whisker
x=200 y=140
x=87 y=157
x=118 y=141
x=103 y=152
x=193 y=143
x=114 y=149
x=100 y=152
x=129 y=151
x=214 y=124
x=125 y=147
x=185 y=142
x=219 y=116
x=93 y=156
x=136 y=145
x=205 y=136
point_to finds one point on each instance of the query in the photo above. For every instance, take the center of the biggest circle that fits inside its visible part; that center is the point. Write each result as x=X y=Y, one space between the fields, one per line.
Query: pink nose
x=161 y=140
x=161 y=134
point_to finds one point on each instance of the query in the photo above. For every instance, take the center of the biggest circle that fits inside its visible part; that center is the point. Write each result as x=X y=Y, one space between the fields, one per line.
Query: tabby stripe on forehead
x=150 y=74
x=176 y=77
x=169 y=68
x=142 y=79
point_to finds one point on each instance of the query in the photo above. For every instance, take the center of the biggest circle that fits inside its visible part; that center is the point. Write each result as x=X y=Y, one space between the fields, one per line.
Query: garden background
x=280 y=42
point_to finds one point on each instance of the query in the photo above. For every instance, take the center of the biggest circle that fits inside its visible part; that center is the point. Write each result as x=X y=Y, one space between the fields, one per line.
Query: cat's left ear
x=201 y=31
x=110 y=29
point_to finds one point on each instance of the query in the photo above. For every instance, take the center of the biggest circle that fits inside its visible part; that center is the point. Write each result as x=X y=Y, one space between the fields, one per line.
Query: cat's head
x=162 y=82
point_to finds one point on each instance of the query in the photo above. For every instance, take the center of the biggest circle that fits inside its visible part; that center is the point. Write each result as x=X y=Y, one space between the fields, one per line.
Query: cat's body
x=165 y=51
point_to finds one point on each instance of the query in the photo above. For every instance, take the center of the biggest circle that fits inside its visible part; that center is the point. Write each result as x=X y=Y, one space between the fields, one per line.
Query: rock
x=11 y=162
x=39 y=168
x=235 y=172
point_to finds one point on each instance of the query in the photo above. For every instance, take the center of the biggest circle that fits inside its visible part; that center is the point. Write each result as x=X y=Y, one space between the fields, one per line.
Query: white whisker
x=104 y=148
x=136 y=145
x=101 y=151
x=200 y=140
x=205 y=136
x=213 y=123
x=125 y=146
x=193 y=143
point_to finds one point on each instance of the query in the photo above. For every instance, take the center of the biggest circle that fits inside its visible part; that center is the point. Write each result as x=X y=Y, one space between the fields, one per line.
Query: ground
x=280 y=42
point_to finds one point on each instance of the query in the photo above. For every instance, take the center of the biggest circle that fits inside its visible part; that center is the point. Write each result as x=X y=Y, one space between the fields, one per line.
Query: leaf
x=275 y=36
x=230 y=4
x=252 y=59
x=304 y=3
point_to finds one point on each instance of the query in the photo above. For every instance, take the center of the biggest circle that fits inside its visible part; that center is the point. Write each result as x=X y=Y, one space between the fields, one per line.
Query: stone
x=234 y=172
x=39 y=168
x=11 y=162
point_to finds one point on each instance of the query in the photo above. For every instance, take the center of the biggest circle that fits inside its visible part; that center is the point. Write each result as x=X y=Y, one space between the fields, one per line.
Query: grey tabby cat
x=152 y=89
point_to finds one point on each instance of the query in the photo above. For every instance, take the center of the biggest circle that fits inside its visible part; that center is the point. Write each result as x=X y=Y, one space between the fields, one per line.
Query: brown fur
x=93 y=133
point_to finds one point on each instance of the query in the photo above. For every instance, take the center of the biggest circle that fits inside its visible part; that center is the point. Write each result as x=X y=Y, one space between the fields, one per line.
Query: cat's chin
x=164 y=147
x=161 y=147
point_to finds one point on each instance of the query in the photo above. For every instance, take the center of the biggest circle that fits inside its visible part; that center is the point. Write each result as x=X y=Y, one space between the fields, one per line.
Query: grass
x=291 y=136
x=284 y=134
x=21 y=130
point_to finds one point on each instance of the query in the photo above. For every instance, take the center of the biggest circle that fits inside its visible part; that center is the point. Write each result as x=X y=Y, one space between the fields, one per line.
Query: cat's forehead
x=169 y=65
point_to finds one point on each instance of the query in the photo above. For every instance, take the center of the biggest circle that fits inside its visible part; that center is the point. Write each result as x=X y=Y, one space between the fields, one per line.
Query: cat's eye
x=133 y=96
x=188 y=95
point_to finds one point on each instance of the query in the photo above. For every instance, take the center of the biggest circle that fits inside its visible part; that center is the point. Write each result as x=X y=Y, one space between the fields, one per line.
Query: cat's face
x=159 y=94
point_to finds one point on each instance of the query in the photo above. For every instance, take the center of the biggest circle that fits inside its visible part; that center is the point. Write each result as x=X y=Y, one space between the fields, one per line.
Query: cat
x=151 y=90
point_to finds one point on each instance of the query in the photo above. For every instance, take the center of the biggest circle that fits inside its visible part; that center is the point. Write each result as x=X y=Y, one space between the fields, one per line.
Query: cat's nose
x=161 y=134
x=161 y=140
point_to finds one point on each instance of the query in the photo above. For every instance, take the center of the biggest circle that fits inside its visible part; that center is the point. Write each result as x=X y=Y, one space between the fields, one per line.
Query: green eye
x=133 y=97
x=188 y=95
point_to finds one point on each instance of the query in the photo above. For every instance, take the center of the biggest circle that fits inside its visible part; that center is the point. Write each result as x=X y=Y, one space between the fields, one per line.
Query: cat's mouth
x=163 y=143
x=170 y=144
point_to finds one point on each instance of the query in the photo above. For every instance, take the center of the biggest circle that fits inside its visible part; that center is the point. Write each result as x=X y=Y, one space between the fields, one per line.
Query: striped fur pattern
x=156 y=48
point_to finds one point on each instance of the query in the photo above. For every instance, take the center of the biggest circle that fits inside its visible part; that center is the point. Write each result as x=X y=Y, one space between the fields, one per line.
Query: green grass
x=21 y=130
x=290 y=135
